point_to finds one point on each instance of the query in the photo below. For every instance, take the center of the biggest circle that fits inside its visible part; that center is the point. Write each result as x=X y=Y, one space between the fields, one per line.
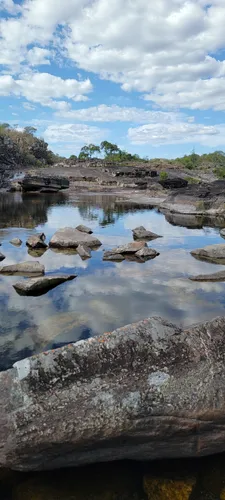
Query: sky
x=148 y=76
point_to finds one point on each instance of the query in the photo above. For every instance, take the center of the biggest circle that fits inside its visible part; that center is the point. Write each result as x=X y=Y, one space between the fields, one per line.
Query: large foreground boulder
x=24 y=269
x=145 y=391
x=213 y=253
x=39 y=286
x=69 y=237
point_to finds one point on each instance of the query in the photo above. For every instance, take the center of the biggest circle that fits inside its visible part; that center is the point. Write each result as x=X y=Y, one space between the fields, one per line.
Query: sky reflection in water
x=105 y=295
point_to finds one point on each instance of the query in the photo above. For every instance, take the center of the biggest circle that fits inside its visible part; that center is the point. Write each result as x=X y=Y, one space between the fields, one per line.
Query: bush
x=163 y=176
x=219 y=172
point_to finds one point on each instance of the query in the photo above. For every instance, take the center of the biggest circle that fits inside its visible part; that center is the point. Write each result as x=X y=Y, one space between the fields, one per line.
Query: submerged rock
x=84 y=229
x=213 y=253
x=140 y=233
x=84 y=251
x=147 y=253
x=114 y=257
x=2 y=257
x=219 y=276
x=168 y=489
x=72 y=238
x=36 y=241
x=39 y=286
x=138 y=393
x=23 y=269
x=16 y=242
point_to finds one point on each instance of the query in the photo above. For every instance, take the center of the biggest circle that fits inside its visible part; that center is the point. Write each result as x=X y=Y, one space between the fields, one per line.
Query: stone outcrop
x=47 y=184
x=84 y=229
x=36 y=241
x=69 y=237
x=17 y=242
x=140 y=233
x=147 y=253
x=39 y=286
x=84 y=251
x=219 y=276
x=23 y=269
x=173 y=183
x=146 y=391
x=213 y=253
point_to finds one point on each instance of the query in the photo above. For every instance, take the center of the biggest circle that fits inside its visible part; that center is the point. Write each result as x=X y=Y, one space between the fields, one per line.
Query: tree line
x=107 y=150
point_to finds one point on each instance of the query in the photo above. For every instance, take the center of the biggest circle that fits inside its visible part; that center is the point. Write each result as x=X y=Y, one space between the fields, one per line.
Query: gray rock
x=84 y=251
x=146 y=391
x=147 y=253
x=2 y=257
x=37 y=183
x=222 y=233
x=39 y=286
x=213 y=253
x=23 y=269
x=36 y=241
x=114 y=257
x=72 y=238
x=16 y=242
x=140 y=233
x=219 y=276
x=132 y=247
x=84 y=229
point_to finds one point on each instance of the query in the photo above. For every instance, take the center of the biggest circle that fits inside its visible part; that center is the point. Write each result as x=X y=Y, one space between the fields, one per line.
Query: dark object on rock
x=173 y=183
x=138 y=393
x=140 y=233
x=147 y=253
x=35 y=183
x=213 y=253
x=219 y=276
x=39 y=286
x=114 y=257
x=2 y=257
x=24 y=269
x=84 y=251
x=16 y=242
x=36 y=241
x=84 y=229
x=72 y=238
x=153 y=173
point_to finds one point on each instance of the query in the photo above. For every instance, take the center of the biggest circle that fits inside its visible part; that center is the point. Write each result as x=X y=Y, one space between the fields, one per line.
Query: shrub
x=163 y=176
x=219 y=172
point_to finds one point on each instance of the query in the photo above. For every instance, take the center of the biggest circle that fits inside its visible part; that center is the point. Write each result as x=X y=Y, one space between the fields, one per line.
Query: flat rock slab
x=16 y=242
x=147 y=253
x=84 y=251
x=220 y=276
x=132 y=247
x=140 y=233
x=2 y=257
x=36 y=241
x=39 y=286
x=149 y=390
x=72 y=238
x=84 y=229
x=214 y=253
x=23 y=269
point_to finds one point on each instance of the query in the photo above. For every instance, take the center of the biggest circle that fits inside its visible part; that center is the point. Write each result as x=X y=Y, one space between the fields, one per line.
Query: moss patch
x=168 y=489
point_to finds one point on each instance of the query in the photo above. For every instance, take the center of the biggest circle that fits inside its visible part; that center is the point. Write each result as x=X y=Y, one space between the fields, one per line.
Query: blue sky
x=149 y=77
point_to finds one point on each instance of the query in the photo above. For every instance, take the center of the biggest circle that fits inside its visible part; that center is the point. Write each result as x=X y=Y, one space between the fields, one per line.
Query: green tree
x=30 y=130
x=88 y=151
x=73 y=157
x=108 y=148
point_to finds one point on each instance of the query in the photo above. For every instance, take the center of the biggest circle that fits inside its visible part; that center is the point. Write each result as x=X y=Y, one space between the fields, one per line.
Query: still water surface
x=105 y=295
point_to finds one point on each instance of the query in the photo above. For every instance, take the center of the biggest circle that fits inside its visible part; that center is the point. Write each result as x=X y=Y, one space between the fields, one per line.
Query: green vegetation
x=219 y=172
x=163 y=176
x=192 y=180
x=110 y=152
x=24 y=147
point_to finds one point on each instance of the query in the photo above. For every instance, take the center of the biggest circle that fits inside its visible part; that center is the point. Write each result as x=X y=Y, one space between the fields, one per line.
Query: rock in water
x=84 y=229
x=140 y=233
x=39 y=286
x=132 y=247
x=138 y=393
x=222 y=233
x=114 y=257
x=36 y=183
x=214 y=253
x=72 y=238
x=16 y=242
x=84 y=251
x=147 y=253
x=36 y=241
x=2 y=257
x=23 y=269
x=220 y=276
